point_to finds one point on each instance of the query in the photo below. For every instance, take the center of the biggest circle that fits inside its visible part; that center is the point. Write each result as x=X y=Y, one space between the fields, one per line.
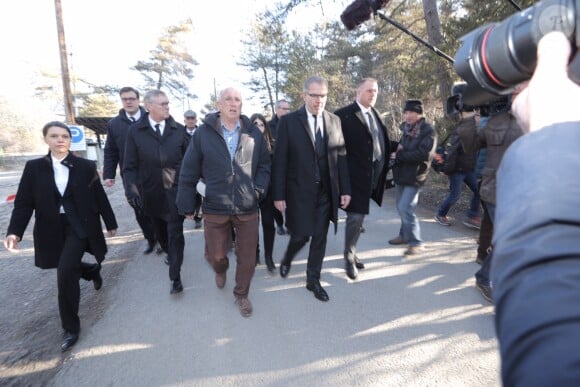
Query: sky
x=106 y=37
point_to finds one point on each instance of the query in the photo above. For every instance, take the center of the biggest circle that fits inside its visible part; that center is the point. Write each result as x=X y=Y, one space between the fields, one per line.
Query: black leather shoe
x=159 y=251
x=318 y=290
x=284 y=269
x=358 y=263
x=280 y=230
x=150 y=248
x=351 y=271
x=69 y=340
x=176 y=287
x=270 y=264
x=98 y=280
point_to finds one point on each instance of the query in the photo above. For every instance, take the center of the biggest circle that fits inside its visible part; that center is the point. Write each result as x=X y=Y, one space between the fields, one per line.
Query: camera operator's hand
x=550 y=97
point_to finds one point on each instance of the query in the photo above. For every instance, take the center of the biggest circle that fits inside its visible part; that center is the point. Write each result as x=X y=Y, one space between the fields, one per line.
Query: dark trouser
x=354 y=222
x=318 y=241
x=170 y=237
x=485 y=235
x=278 y=217
x=482 y=275
x=218 y=241
x=197 y=208
x=146 y=225
x=456 y=180
x=70 y=269
x=267 y=216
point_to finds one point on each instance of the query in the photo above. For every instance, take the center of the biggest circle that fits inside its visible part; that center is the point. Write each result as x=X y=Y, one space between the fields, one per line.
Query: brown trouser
x=218 y=241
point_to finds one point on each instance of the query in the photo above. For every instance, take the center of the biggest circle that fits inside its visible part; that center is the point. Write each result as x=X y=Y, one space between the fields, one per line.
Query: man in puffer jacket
x=230 y=155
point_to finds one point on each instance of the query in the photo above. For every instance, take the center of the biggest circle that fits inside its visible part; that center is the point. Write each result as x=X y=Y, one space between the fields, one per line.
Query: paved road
x=404 y=322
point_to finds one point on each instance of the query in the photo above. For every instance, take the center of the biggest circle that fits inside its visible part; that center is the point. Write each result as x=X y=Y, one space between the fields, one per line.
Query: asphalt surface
x=416 y=321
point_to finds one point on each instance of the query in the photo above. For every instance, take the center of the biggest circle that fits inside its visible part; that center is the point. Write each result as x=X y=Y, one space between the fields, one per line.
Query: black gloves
x=136 y=203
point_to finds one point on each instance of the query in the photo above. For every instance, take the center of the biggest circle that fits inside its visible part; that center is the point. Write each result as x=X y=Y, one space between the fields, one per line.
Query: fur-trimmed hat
x=413 y=105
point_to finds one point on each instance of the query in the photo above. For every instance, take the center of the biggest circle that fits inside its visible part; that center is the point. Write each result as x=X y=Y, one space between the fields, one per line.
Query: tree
x=435 y=38
x=264 y=48
x=18 y=133
x=170 y=66
x=97 y=105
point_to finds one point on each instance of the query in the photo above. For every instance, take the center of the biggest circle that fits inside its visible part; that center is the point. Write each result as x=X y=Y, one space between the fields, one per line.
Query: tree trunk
x=434 y=34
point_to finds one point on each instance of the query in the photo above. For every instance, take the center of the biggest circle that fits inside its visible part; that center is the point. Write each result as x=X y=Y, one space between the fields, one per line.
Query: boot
x=270 y=264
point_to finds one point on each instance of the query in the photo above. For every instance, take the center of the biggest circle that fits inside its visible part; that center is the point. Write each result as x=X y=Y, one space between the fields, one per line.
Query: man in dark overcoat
x=367 y=152
x=154 y=149
x=310 y=179
x=117 y=129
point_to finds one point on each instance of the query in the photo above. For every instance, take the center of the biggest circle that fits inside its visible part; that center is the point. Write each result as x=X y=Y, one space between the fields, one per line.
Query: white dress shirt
x=60 y=176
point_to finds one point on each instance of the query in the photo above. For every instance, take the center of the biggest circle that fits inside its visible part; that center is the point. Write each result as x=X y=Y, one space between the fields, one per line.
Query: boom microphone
x=359 y=11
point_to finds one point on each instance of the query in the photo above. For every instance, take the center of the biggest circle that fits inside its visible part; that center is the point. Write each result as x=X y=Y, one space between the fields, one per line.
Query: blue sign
x=78 y=138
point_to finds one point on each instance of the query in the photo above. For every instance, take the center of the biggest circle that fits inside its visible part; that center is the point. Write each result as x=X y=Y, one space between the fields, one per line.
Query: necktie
x=157 y=130
x=317 y=135
x=132 y=119
x=375 y=134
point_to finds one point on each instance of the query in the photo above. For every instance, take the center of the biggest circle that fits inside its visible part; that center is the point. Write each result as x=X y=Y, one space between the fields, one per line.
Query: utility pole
x=68 y=99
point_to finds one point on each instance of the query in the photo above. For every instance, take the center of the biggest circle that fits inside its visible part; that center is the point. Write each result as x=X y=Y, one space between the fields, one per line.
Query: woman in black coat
x=67 y=198
x=267 y=203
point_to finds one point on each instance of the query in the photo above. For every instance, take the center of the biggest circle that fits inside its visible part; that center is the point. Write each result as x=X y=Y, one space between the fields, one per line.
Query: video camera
x=455 y=104
x=496 y=57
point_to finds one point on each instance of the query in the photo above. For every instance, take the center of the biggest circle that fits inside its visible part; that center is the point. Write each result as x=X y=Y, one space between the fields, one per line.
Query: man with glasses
x=310 y=179
x=153 y=153
x=117 y=129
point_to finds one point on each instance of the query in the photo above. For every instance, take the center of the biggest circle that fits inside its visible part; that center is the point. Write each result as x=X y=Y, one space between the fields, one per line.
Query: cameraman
x=536 y=268
x=500 y=131
x=459 y=166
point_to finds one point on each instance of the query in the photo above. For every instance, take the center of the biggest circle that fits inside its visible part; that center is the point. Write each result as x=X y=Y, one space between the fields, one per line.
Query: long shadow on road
x=404 y=321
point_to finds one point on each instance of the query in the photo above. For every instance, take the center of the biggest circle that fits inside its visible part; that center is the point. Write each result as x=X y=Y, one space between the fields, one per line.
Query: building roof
x=96 y=124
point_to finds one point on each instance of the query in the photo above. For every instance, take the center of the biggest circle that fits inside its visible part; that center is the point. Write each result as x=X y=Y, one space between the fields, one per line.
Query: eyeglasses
x=321 y=96
x=162 y=104
x=258 y=123
x=129 y=99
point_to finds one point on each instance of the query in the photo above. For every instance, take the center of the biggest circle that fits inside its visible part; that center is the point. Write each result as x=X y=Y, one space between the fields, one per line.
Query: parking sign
x=78 y=142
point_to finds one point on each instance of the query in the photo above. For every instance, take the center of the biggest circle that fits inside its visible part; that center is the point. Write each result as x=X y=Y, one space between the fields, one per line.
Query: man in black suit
x=367 y=152
x=117 y=129
x=310 y=178
x=153 y=153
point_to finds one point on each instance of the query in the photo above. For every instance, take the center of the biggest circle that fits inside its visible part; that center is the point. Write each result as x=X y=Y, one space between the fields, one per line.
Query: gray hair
x=152 y=94
x=315 y=79
x=280 y=102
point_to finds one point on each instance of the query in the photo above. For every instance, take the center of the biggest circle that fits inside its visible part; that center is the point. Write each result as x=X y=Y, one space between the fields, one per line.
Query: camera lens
x=494 y=58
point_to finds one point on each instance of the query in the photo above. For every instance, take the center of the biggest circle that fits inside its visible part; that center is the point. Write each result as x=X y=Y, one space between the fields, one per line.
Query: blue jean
x=407 y=198
x=456 y=180
x=482 y=275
